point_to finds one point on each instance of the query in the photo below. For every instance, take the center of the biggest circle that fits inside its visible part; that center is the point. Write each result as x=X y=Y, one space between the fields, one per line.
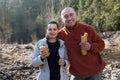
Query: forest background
x=23 y=21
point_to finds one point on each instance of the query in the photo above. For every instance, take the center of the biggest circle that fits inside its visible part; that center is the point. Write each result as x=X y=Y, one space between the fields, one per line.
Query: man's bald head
x=67 y=9
x=69 y=17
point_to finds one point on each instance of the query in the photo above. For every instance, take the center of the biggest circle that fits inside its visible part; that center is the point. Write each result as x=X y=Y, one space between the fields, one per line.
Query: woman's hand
x=61 y=62
x=43 y=54
x=41 y=66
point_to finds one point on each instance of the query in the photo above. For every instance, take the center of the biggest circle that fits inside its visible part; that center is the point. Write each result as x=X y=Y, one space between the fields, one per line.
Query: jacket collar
x=44 y=41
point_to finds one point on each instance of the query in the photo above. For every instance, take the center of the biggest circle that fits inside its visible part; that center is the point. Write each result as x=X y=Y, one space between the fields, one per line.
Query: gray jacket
x=44 y=73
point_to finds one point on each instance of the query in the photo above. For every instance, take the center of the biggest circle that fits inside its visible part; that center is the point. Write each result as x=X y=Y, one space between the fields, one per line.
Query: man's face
x=69 y=17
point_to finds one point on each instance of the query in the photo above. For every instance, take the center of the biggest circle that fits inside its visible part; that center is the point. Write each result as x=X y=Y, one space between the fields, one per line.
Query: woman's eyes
x=52 y=29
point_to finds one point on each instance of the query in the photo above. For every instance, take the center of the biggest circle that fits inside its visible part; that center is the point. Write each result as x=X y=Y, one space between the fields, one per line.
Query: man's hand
x=85 y=45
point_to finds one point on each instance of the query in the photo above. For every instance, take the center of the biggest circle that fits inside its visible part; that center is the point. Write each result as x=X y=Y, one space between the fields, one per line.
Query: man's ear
x=76 y=12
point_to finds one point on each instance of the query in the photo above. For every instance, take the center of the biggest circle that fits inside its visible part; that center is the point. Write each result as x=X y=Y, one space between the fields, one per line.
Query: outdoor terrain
x=15 y=61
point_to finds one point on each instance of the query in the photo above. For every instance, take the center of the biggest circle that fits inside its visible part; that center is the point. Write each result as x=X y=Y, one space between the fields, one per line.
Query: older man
x=90 y=65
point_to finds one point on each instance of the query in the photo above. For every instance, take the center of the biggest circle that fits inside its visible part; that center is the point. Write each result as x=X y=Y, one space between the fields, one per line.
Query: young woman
x=53 y=61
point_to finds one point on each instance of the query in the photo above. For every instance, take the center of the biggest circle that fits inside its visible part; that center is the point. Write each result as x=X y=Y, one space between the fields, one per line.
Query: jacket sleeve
x=66 y=57
x=97 y=44
x=36 y=60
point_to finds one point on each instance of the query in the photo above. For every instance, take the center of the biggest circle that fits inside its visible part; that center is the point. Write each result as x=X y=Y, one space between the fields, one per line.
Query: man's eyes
x=66 y=16
x=69 y=15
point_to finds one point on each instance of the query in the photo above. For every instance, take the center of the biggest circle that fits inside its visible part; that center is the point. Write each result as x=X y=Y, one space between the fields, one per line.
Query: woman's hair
x=54 y=22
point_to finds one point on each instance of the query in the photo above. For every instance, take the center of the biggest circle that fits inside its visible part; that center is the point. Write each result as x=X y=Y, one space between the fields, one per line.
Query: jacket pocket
x=64 y=74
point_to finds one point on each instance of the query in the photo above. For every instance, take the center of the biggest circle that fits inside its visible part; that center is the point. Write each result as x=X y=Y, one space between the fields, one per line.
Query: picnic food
x=84 y=39
x=45 y=49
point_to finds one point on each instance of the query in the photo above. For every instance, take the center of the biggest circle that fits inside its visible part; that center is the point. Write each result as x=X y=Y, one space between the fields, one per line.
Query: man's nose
x=69 y=17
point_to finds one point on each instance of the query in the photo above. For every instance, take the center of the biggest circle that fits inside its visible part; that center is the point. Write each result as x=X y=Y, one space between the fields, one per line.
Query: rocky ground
x=15 y=61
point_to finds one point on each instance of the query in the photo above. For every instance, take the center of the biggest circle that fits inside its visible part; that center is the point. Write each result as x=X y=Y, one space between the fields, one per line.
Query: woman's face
x=52 y=31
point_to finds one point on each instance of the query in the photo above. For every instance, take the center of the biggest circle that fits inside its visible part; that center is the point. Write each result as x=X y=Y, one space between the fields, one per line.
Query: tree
x=29 y=17
x=5 y=29
x=104 y=15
